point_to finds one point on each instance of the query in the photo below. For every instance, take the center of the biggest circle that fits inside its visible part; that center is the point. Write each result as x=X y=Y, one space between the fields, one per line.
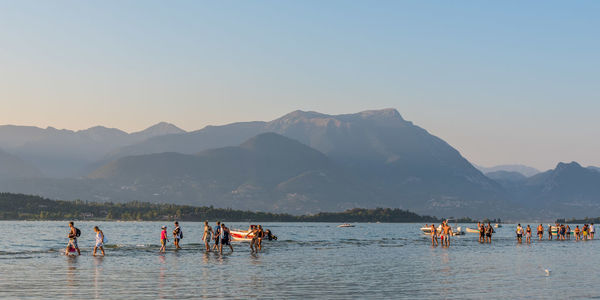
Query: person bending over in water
x=224 y=235
x=99 y=241
x=206 y=236
x=74 y=233
x=540 y=232
x=528 y=234
x=434 y=236
x=163 y=239
x=177 y=235
x=519 y=233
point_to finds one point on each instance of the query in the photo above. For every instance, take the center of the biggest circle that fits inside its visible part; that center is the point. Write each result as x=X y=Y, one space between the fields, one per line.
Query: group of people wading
x=220 y=235
x=444 y=234
x=562 y=232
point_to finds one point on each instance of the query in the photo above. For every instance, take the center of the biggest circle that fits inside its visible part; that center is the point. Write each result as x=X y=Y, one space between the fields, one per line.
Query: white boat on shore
x=470 y=230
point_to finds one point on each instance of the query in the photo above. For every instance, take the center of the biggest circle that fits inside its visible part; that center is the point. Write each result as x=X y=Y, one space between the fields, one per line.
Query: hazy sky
x=503 y=82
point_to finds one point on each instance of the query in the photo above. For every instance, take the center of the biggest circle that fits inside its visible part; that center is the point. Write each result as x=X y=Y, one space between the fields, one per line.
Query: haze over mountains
x=301 y=162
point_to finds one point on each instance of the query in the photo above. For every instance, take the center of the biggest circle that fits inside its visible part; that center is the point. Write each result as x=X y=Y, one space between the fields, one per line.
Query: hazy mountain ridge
x=267 y=172
x=524 y=170
x=13 y=167
x=64 y=153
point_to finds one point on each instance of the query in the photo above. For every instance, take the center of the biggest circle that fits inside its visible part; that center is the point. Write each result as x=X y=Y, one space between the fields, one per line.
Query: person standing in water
x=99 y=241
x=528 y=234
x=224 y=236
x=434 y=236
x=74 y=233
x=592 y=230
x=447 y=230
x=206 y=236
x=568 y=232
x=217 y=236
x=490 y=232
x=177 y=235
x=540 y=232
x=519 y=234
x=481 y=233
x=163 y=239
x=549 y=232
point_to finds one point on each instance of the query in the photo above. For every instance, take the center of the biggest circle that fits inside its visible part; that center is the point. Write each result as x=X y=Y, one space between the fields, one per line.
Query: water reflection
x=97 y=275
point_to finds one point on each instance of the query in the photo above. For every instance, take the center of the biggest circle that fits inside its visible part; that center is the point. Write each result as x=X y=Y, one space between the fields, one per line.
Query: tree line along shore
x=28 y=207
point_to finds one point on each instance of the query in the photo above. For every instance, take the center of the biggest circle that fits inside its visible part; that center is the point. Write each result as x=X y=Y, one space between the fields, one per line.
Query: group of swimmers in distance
x=562 y=232
x=220 y=235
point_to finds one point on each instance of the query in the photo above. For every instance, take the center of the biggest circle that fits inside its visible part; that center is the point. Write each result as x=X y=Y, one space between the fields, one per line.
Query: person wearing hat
x=163 y=239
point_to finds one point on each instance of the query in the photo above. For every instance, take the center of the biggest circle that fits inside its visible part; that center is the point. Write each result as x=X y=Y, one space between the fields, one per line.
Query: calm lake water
x=310 y=260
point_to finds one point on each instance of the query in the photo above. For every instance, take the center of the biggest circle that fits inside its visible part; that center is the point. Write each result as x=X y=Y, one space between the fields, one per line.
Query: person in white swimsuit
x=207 y=235
x=99 y=241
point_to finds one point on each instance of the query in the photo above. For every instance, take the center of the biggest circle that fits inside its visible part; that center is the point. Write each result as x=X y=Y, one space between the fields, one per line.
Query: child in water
x=163 y=239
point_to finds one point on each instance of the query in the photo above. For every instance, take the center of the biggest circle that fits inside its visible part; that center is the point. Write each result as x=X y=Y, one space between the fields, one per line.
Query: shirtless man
x=540 y=232
x=488 y=233
x=73 y=237
x=481 y=232
x=177 y=235
x=446 y=231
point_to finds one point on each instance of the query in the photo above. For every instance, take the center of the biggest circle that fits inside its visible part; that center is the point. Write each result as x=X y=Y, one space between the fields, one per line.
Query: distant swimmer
x=74 y=233
x=224 y=235
x=528 y=234
x=519 y=234
x=99 y=241
x=177 y=235
x=434 y=236
x=217 y=235
x=540 y=232
x=206 y=236
x=163 y=239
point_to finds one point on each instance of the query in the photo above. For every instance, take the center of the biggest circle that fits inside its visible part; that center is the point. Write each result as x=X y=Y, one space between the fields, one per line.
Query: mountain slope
x=569 y=190
x=410 y=167
x=267 y=172
x=13 y=167
x=524 y=170
x=64 y=153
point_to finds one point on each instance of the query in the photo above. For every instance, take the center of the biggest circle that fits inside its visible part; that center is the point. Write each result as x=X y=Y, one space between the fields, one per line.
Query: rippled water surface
x=310 y=260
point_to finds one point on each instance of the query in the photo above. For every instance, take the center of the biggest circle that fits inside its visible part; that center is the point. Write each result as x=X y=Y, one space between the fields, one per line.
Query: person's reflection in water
x=161 y=278
x=71 y=275
x=255 y=259
x=97 y=275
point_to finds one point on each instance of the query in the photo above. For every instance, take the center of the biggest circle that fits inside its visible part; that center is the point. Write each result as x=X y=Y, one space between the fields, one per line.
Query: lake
x=310 y=260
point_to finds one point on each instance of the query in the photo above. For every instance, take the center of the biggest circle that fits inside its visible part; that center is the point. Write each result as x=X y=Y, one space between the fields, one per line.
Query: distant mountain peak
x=162 y=128
x=566 y=166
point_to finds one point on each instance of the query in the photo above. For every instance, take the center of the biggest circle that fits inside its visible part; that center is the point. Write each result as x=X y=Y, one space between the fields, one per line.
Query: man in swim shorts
x=176 y=235
x=216 y=235
x=519 y=234
x=540 y=232
x=73 y=237
x=225 y=238
x=592 y=230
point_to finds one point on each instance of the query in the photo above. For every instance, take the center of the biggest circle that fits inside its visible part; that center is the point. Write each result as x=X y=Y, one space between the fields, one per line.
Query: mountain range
x=303 y=162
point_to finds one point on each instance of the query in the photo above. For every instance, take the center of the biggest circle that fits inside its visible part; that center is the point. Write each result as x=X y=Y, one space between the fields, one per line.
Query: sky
x=503 y=82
